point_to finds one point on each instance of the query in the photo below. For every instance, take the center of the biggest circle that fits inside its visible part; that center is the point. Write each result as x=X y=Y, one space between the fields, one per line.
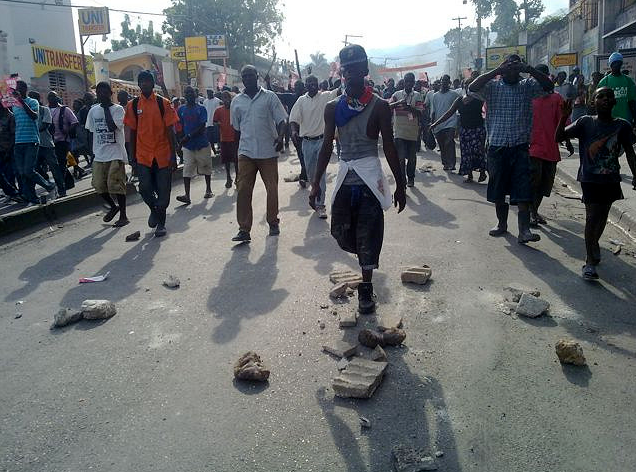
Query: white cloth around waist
x=369 y=169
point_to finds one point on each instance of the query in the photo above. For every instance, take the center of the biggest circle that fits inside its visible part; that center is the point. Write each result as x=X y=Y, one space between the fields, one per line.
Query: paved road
x=152 y=389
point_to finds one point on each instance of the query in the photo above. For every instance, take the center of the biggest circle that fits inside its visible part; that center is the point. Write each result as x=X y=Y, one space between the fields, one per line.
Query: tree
x=468 y=50
x=138 y=35
x=510 y=18
x=250 y=26
x=319 y=65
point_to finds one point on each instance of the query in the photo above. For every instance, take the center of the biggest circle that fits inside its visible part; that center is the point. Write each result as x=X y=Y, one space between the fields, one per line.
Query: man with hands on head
x=361 y=192
x=509 y=124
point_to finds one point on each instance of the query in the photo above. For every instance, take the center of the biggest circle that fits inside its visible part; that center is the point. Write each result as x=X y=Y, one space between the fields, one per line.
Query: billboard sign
x=216 y=46
x=93 y=21
x=495 y=56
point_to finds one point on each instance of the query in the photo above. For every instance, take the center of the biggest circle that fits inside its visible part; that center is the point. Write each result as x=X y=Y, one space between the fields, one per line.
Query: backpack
x=135 y=106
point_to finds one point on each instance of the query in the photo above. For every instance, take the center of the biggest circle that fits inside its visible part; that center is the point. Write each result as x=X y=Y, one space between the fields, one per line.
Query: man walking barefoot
x=361 y=191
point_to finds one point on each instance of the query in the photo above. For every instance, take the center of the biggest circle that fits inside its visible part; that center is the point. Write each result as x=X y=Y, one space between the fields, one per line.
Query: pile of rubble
x=90 y=310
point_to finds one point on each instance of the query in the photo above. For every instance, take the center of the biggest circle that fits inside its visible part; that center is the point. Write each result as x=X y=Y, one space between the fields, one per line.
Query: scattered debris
x=364 y=422
x=65 y=316
x=378 y=355
x=393 y=337
x=172 y=282
x=340 y=349
x=508 y=308
x=342 y=363
x=616 y=242
x=97 y=278
x=292 y=178
x=390 y=337
x=348 y=319
x=359 y=379
x=439 y=453
x=98 y=309
x=617 y=250
x=133 y=236
x=324 y=306
x=369 y=338
x=513 y=292
x=417 y=275
x=352 y=279
x=321 y=325
x=389 y=321
x=532 y=306
x=409 y=459
x=17 y=316
x=339 y=290
x=250 y=367
x=570 y=352
x=334 y=312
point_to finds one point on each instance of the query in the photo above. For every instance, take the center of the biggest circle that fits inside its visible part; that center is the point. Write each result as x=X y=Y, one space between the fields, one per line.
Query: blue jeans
x=407 y=154
x=311 y=149
x=47 y=155
x=26 y=159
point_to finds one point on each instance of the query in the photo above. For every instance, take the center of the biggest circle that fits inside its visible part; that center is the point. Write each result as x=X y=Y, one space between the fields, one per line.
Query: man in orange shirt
x=229 y=144
x=152 y=146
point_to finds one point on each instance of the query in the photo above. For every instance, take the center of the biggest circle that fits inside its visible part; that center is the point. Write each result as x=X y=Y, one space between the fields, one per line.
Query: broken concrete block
x=369 y=338
x=172 y=282
x=340 y=349
x=348 y=319
x=250 y=367
x=339 y=290
x=352 y=279
x=393 y=337
x=417 y=275
x=359 y=379
x=66 y=316
x=570 y=352
x=531 y=306
x=378 y=355
x=513 y=292
x=97 y=309
x=342 y=364
x=133 y=236
x=409 y=459
x=386 y=321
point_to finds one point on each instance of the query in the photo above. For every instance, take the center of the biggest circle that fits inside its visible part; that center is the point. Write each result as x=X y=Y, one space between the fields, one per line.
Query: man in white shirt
x=106 y=121
x=212 y=131
x=307 y=122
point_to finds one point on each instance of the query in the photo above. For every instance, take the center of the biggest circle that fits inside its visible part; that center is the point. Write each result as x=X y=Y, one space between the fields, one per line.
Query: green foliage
x=511 y=17
x=468 y=45
x=249 y=25
x=319 y=65
x=138 y=35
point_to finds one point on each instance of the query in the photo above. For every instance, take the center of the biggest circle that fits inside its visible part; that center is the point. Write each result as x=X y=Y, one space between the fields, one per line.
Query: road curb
x=622 y=216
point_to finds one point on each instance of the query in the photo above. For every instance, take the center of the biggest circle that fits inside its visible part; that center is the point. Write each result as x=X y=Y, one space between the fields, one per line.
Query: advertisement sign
x=216 y=46
x=46 y=59
x=7 y=87
x=93 y=21
x=196 y=48
x=495 y=56
x=177 y=53
x=563 y=60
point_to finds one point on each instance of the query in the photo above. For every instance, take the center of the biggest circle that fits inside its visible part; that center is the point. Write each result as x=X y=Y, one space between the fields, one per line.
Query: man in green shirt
x=624 y=89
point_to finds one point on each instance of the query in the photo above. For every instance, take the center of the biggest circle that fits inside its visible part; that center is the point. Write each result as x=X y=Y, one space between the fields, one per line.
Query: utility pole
x=347 y=36
x=459 y=43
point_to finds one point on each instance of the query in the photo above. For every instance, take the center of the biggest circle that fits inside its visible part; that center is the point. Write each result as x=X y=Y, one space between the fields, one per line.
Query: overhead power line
x=44 y=4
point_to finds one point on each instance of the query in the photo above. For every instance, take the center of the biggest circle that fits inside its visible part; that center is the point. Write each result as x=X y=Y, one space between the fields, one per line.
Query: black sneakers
x=366 y=298
x=242 y=237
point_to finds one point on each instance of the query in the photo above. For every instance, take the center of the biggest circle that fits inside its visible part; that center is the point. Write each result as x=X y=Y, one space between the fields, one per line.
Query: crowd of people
x=509 y=130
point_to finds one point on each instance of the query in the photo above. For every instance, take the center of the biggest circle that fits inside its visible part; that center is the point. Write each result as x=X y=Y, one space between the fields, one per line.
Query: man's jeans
x=407 y=154
x=47 y=155
x=26 y=159
x=154 y=186
x=7 y=174
x=311 y=149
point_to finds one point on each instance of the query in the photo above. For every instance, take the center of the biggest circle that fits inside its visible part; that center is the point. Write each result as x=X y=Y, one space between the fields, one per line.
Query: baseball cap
x=615 y=56
x=352 y=54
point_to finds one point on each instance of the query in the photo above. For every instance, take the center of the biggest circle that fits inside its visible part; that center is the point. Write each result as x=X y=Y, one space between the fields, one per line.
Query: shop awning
x=628 y=29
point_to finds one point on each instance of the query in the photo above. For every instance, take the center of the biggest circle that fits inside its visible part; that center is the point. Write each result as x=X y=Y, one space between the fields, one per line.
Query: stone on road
x=410 y=459
x=531 y=306
x=359 y=379
x=570 y=352
x=352 y=279
x=98 y=309
x=513 y=292
x=417 y=275
x=250 y=367
x=66 y=316
x=172 y=281
x=340 y=348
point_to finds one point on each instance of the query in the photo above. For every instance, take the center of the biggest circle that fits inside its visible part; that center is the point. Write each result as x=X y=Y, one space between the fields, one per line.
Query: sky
x=323 y=29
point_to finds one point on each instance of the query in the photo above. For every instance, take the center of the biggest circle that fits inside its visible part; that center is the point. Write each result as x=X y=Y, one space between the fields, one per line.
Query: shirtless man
x=361 y=190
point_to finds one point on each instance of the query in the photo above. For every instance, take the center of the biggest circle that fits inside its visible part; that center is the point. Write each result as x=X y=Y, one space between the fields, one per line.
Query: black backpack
x=135 y=106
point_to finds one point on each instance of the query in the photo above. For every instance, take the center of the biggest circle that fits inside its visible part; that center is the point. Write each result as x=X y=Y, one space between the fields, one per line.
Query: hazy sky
x=310 y=29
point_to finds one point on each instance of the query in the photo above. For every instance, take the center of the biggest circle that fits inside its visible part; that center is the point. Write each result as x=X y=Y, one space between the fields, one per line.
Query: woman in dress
x=472 y=135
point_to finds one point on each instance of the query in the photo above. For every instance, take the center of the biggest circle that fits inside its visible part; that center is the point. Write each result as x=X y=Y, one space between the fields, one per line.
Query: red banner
x=407 y=68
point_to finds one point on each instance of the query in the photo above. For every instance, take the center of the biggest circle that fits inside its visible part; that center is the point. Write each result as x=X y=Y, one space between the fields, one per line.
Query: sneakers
x=321 y=212
x=528 y=237
x=498 y=231
x=366 y=298
x=184 y=199
x=228 y=183
x=242 y=237
x=208 y=195
x=274 y=230
x=153 y=219
x=108 y=217
x=160 y=231
x=410 y=182
x=589 y=272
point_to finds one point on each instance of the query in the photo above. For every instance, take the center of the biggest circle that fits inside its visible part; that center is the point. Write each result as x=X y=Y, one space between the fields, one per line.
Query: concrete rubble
x=359 y=379
x=417 y=275
x=513 y=292
x=390 y=337
x=352 y=279
x=98 y=309
x=172 y=282
x=250 y=367
x=409 y=459
x=66 y=316
x=570 y=352
x=133 y=236
x=339 y=290
x=531 y=306
x=340 y=349
x=348 y=319
x=389 y=321
x=378 y=355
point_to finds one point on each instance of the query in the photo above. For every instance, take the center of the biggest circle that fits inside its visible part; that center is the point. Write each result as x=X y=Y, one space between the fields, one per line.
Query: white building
x=38 y=43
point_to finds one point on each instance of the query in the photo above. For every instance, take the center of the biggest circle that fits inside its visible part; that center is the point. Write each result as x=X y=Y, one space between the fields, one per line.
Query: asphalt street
x=152 y=389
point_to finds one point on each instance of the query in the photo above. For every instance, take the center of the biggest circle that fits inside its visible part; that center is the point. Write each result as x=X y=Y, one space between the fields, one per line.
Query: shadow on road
x=428 y=213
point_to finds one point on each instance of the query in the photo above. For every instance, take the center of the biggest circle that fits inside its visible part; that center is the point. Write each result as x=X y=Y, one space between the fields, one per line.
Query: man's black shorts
x=543 y=173
x=509 y=174
x=357 y=224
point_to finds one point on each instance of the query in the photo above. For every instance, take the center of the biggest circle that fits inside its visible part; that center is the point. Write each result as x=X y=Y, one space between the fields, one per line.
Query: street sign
x=196 y=48
x=192 y=66
x=563 y=60
x=93 y=21
x=178 y=53
x=495 y=56
x=216 y=46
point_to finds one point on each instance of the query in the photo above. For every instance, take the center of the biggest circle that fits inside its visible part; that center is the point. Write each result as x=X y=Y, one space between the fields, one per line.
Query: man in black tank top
x=357 y=221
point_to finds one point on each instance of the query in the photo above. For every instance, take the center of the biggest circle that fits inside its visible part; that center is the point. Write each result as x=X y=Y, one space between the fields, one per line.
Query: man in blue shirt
x=27 y=141
x=197 y=157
